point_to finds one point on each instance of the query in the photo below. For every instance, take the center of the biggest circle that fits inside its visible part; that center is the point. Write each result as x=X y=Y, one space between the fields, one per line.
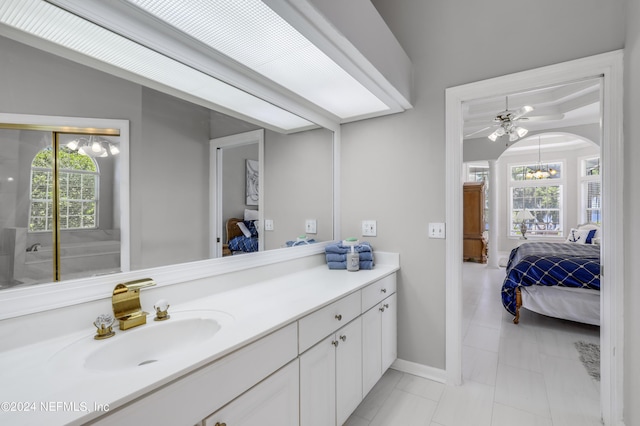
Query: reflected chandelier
x=93 y=146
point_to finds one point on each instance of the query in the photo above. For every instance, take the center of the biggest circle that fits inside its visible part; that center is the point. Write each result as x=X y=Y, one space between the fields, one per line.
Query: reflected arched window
x=78 y=183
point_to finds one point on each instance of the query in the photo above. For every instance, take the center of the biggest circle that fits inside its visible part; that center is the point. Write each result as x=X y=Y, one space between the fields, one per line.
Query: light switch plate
x=437 y=230
x=268 y=225
x=310 y=226
x=369 y=228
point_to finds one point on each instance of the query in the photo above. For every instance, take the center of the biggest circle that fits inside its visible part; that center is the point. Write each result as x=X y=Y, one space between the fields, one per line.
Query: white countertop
x=39 y=387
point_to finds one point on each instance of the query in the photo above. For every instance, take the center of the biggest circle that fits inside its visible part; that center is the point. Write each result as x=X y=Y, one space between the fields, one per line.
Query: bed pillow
x=581 y=236
x=250 y=214
x=591 y=226
x=244 y=229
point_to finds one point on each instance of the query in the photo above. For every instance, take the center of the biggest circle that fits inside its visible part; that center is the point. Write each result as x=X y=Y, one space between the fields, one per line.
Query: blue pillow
x=590 y=235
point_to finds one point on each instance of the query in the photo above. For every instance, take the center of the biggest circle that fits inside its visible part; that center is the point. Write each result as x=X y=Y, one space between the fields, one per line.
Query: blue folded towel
x=339 y=248
x=335 y=257
x=364 y=264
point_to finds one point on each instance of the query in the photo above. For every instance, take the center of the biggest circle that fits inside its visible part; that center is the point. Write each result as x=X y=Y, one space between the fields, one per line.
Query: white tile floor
x=527 y=374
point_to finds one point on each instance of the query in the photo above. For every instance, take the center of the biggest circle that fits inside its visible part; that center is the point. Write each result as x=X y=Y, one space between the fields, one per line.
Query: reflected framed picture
x=252 y=189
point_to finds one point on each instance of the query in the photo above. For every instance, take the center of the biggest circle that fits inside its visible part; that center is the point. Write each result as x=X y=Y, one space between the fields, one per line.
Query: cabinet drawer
x=325 y=321
x=377 y=291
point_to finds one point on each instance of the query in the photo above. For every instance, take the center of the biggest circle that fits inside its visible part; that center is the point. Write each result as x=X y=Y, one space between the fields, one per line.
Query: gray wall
x=306 y=188
x=401 y=158
x=632 y=206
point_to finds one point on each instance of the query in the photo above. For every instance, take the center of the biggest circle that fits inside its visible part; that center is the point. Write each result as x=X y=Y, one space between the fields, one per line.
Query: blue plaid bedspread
x=549 y=264
x=242 y=243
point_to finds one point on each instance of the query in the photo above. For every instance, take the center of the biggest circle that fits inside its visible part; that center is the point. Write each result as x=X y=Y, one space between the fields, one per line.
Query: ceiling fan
x=508 y=122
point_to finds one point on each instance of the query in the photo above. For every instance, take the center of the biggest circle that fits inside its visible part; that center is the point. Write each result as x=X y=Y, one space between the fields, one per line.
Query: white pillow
x=591 y=226
x=244 y=229
x=578 y=236
x=250 y=214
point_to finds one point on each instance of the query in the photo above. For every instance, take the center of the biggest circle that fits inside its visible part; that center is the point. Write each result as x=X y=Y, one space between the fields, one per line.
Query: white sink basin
x=145 y=345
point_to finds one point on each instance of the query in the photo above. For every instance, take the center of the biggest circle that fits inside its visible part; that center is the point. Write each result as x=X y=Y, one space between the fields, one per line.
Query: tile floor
x=526 y=375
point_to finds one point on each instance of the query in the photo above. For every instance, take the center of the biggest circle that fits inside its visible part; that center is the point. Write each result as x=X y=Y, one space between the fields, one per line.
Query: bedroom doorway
x=236 y=179
x=608 y=67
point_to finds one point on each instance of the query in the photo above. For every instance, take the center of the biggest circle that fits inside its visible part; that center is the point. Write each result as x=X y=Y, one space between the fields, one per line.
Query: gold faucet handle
x=103 y=324
x=162 y=310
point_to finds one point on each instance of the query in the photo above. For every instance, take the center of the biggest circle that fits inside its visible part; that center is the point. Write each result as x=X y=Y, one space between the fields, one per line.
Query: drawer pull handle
x=220 y=424
x=343 y=338
x=335 y=343
x=339 y=317
x=384 y=290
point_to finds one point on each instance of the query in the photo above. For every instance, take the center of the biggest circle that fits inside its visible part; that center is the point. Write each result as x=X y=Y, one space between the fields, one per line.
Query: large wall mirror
x=170 y=193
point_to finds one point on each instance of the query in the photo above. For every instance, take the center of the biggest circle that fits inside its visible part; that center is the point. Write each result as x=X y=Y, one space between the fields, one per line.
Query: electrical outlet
x=310 y=226
x=369 y=228
x=437 y=230
x=268 y=225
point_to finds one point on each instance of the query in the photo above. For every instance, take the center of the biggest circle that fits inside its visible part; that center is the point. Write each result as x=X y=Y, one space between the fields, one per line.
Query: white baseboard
x=431 y=373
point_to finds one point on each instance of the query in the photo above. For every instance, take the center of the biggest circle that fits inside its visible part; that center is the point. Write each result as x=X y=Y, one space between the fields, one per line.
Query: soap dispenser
x=353 y=257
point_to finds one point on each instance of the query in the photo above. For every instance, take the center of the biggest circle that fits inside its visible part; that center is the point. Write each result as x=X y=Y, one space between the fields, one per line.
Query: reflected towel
x=364 y=264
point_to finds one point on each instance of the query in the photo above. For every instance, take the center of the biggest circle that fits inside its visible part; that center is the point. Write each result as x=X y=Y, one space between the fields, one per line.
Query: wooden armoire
x=474 y=245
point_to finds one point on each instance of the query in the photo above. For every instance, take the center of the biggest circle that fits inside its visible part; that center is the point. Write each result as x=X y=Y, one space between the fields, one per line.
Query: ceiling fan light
x=513 y=136
x=113 y=149
x=521 y=131
x=501 y=131
x=493 y=136
x=73 y=145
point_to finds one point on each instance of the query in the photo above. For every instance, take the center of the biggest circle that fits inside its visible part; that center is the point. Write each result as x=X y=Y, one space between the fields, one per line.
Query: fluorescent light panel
x=251 y=33
x=65 y=29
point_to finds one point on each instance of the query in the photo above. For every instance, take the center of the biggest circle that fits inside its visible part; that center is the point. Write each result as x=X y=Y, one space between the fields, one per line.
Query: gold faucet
x=126 y=303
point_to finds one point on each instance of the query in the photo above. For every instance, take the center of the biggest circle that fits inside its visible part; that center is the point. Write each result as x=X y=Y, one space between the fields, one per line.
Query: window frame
x=560 y=182
x=583 y=182
x=49 y=201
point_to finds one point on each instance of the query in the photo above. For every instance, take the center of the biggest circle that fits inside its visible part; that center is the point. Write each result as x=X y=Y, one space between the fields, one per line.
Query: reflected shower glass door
x=88 y=243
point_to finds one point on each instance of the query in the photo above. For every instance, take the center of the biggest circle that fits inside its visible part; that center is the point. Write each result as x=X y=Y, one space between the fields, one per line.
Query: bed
x=242 y=237
x=560 y=280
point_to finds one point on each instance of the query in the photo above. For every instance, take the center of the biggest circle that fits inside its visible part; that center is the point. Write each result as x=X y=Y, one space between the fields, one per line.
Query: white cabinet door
x=371 y=349
x=273 y=401
x=389 y=328
x=318 y=384
x=379 y=341
x=348 y=370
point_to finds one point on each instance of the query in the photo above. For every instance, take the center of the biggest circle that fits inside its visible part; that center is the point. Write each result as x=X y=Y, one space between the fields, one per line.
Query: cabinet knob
x=386 y=305
x=335 y=343
x=381 y=309
x=384 y=290
x=343 y=338
x=339 y=317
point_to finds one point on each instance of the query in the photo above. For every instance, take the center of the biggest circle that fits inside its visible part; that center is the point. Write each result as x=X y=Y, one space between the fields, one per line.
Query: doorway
x=609 y=67
x=237 y=187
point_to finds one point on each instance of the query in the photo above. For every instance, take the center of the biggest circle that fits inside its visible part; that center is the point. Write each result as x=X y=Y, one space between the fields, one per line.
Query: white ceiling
x=568 y=105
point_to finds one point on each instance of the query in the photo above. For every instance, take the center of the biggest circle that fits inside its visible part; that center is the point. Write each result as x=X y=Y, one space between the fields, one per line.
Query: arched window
x=78 y=181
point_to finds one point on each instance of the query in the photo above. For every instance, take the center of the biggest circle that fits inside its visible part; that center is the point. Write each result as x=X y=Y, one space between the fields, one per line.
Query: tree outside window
x=78 y=184
x=542 y=197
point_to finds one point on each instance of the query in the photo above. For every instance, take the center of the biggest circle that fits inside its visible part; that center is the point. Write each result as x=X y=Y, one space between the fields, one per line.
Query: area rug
x=590 y=357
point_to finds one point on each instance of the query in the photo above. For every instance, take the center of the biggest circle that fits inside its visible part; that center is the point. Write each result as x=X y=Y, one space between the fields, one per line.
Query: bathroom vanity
x=300 y=348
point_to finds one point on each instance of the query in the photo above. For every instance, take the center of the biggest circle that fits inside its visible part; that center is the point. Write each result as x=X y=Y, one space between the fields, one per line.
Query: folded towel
x=337 y=265
x=364 y=264
x=339 y=248
x=300 y=243
x=335 y=257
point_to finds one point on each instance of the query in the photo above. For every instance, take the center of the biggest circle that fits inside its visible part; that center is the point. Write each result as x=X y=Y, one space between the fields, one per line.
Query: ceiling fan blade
x=476 y=132
x=522 y=111
x=543 y=117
